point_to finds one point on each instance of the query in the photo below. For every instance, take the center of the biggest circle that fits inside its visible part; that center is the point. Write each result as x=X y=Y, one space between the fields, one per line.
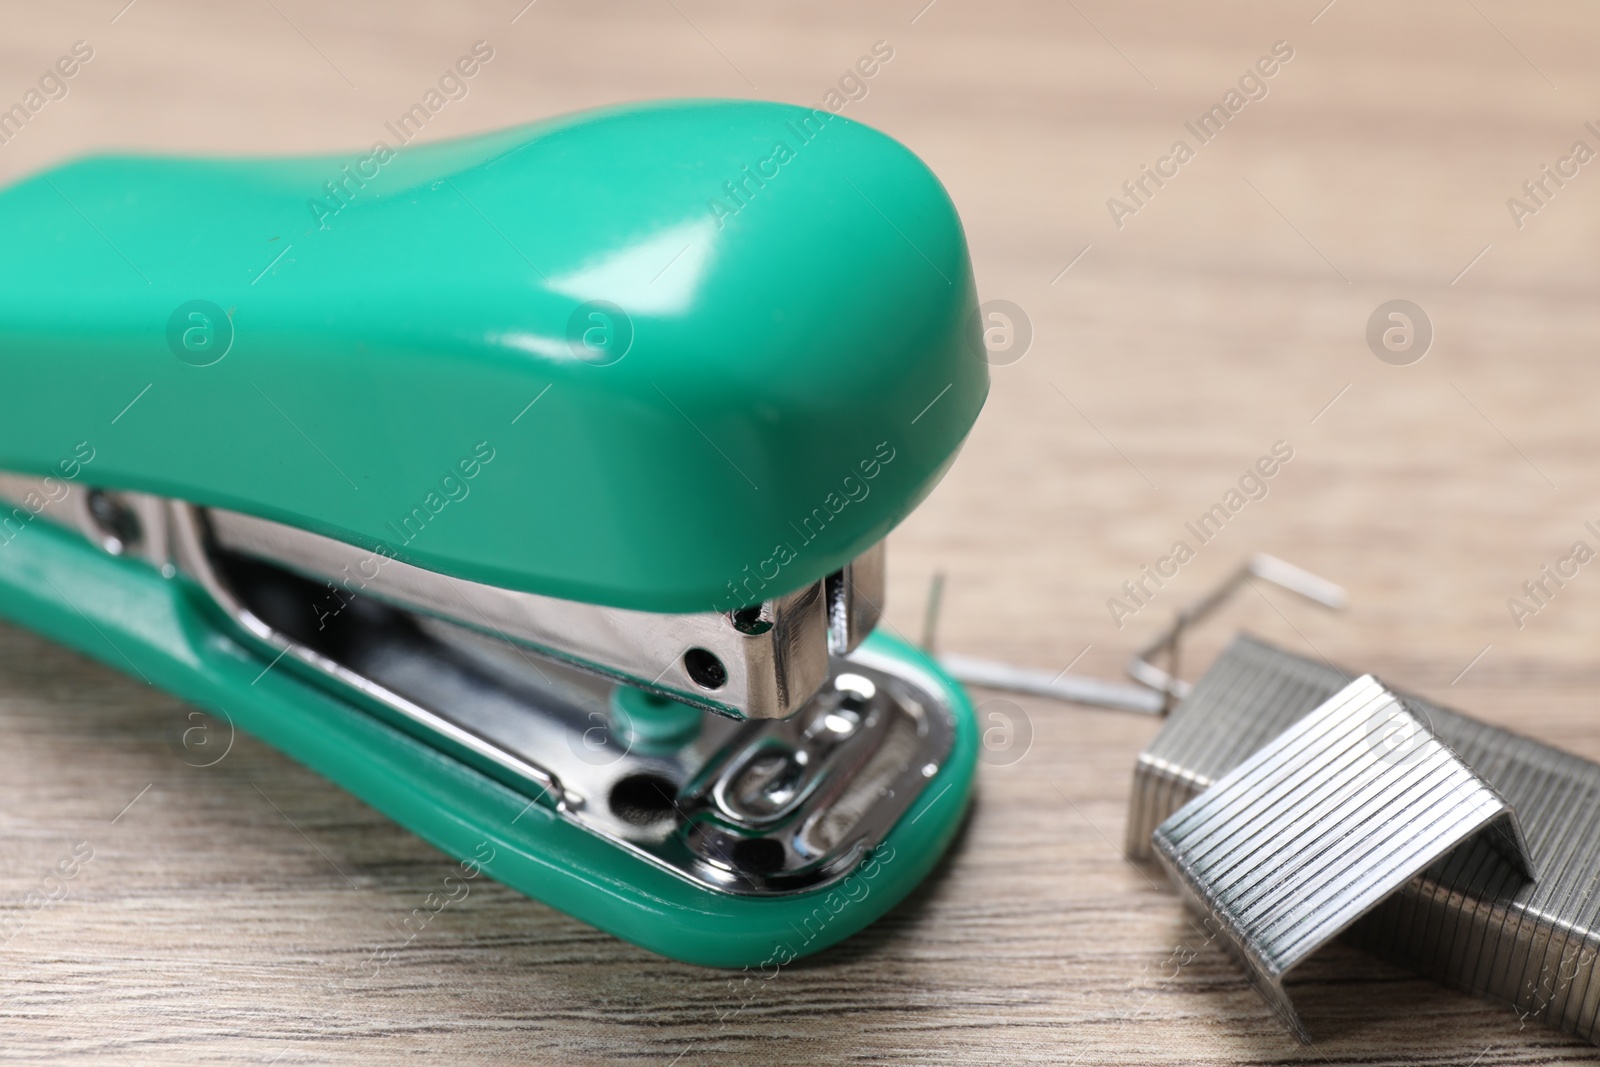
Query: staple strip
x=1469 y=920
x=1322 y=824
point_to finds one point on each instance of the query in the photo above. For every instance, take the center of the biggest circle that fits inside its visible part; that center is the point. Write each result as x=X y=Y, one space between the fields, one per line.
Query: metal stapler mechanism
x=511 y=485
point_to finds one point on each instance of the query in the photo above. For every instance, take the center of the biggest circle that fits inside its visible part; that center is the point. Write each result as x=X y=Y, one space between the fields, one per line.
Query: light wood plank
x=1221 y=318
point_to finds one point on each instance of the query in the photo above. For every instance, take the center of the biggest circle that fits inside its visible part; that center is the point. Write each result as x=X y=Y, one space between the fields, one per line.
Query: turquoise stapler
x=531 y=486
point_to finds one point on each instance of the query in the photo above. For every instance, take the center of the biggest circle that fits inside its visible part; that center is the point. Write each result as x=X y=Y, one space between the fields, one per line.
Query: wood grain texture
x=221 y=909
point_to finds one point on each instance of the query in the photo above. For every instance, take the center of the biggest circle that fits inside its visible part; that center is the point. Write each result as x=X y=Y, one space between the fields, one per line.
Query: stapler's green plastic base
x=125 y=614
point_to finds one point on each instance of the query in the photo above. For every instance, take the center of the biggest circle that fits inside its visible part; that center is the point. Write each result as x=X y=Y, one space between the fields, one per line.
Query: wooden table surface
x=1225 y=314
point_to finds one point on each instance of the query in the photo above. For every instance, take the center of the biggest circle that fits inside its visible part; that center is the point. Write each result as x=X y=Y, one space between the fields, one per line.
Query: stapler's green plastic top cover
x=675 y=357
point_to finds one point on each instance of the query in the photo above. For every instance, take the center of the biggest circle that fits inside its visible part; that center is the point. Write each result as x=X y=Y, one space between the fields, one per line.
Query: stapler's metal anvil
x=532 y=486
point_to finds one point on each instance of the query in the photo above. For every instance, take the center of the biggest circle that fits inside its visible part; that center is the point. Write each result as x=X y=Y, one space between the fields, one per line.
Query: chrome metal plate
x=756 y=806
x=759 y=662
x=751 y=807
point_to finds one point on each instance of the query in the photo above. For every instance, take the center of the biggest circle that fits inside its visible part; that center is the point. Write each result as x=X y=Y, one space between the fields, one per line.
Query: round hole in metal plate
x=763 y=855
x=643 y=799
x=705 y=669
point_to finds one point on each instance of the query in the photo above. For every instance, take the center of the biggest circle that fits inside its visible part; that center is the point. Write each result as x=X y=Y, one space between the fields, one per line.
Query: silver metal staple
x=1470 y=920
x=1321 y=825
